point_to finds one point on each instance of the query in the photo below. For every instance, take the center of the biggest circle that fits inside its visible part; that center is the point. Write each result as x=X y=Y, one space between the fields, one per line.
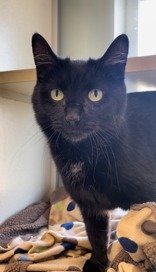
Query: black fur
x=105 y=151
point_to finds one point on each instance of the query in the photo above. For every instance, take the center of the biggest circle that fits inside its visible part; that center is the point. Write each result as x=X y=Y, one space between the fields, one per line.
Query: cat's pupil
x=57 y=93
x=95 y=93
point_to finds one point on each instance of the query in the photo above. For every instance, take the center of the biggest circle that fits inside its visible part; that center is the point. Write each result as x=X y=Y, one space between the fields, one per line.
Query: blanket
x=62 y=245
x=26 y=223
x=135 y=248
x=51 y=236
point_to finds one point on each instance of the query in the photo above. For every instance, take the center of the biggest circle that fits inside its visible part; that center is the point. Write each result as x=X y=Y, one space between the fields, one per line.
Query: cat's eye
x=95 y=95
x=57 y=95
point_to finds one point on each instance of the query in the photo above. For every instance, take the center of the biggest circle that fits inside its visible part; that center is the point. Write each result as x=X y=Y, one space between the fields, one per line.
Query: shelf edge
x=139 y=64
x=135 y=64
x=18 y=76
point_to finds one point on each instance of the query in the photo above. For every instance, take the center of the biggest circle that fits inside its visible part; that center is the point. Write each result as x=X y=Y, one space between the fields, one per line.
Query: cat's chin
x=75 y=137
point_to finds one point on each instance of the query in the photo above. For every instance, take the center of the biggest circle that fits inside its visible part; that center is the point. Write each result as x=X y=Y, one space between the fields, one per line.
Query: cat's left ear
x=117 y=51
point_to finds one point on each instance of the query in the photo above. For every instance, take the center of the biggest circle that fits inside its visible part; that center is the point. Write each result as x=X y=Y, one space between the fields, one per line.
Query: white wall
x=119 y=17
x=87 y=27
x=24 y=158
x=132 y=26
x=27 y=173
x=18 y=21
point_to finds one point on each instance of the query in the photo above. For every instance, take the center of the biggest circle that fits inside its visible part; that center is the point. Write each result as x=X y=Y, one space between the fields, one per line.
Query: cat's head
x=77 y=99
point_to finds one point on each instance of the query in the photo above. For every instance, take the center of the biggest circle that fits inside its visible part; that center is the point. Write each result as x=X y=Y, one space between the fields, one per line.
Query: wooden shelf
x=139 y=64
x=18 y=76
x=140 y=73
x=17 y=84
x=23 y=81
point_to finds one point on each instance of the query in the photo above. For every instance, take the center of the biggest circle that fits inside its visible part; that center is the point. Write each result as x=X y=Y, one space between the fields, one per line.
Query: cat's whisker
x=104 y=151
x=84 y=179
x=96 y=159
x=105 y=137
x=92 y=151
x=35 y=138
x=59 y=134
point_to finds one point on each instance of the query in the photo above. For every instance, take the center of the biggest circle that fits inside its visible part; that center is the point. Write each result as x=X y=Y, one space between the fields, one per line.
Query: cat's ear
x=117 y=51
x=43 y=55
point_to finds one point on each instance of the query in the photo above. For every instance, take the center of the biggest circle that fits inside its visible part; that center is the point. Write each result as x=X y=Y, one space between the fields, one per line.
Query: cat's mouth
x=75 y=136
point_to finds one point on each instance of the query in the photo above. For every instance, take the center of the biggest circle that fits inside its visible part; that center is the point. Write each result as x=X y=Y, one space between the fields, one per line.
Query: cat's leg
x=97 y=230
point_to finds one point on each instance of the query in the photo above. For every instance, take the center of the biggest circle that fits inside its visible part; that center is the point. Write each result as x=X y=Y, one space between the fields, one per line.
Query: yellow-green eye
x=57 y=95
x=95 y=95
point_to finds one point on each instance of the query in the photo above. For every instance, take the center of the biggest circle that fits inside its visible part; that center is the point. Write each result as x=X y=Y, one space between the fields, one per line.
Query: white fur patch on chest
x=76 y=168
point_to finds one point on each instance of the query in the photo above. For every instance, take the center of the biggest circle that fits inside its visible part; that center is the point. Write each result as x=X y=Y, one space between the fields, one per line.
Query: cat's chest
x=86 y=171
x=73 y=173
x=81 y=181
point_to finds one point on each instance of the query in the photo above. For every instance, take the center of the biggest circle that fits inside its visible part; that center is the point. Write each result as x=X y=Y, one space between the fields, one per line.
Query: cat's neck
x=89 y=150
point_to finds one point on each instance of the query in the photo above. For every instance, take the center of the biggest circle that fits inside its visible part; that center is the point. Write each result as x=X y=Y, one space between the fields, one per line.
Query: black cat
x=103 y=140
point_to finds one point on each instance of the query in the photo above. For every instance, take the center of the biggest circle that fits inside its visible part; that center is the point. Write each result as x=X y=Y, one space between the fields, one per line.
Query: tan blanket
x=36 y=240
x=63 y=246
x=135 y=249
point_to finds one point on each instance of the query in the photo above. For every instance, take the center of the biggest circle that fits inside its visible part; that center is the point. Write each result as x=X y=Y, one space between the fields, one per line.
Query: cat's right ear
x=117 y=51
x=43 y=55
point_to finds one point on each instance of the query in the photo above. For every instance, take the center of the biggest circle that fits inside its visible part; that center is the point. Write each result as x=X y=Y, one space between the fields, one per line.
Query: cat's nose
x=72 y=116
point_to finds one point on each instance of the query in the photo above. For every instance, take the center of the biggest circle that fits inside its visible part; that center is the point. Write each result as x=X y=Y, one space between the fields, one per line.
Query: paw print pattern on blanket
x=68 y=225
x=63 y=246
x=71 y=206
x=128 y=244
x=135 y=250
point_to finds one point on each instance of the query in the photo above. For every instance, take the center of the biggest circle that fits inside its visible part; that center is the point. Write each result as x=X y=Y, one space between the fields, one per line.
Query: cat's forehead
x=79 y=69
x=78 y=66
x=76 y=73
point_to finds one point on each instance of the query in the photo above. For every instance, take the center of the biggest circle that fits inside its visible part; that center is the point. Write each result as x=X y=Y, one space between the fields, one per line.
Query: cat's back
x=144 y=101
x=140 y=122
x=137 y=159
x=141 y=111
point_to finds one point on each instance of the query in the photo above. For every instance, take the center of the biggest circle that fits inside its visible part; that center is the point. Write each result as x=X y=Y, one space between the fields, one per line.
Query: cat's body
x=126 y=173
x=103 y=142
